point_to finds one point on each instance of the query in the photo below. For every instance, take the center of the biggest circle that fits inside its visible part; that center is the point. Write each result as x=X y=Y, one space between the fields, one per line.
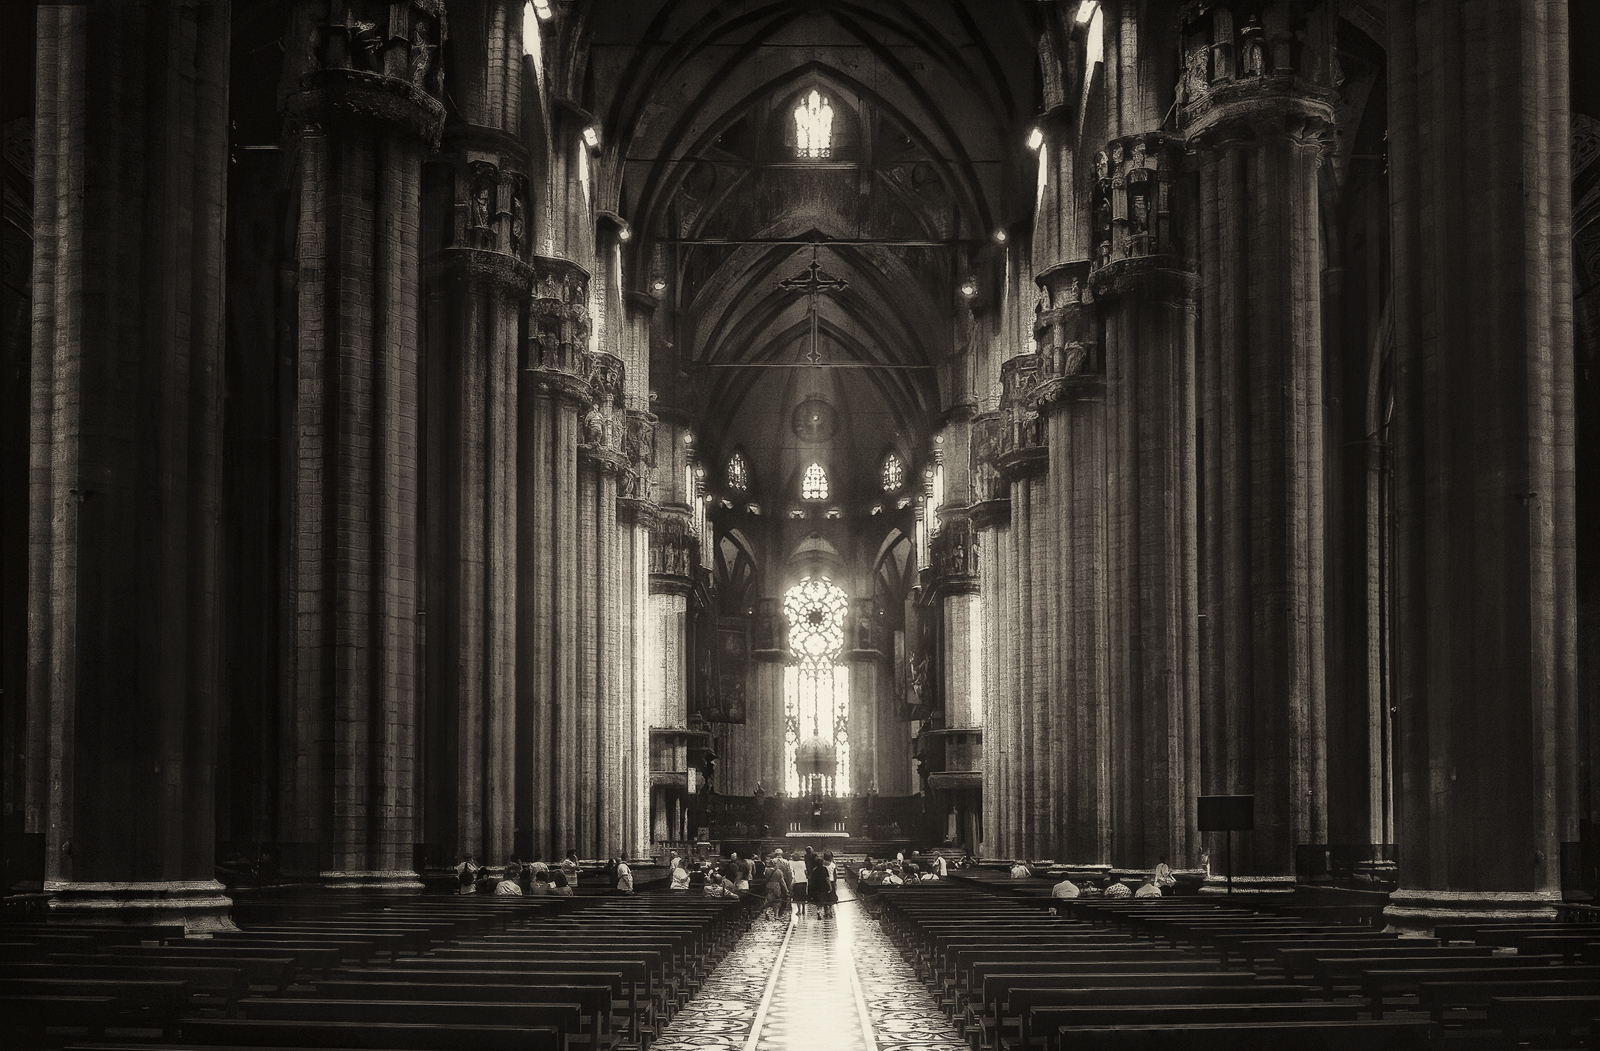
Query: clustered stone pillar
x=990 y=514
x=365 y=113
x=1259 y=123
x=1031 y=607
x=1485 y=572
x=553 y=397
x=1072 y=395
x=477 y=282
x=130 y=174
x=1145 y=294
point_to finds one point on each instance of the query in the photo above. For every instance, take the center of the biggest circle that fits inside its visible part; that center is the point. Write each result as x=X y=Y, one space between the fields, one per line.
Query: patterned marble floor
x=812 y=983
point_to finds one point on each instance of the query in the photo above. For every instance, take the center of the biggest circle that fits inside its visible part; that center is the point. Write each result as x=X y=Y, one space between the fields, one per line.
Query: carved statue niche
x=480 y=204
x=517 y=212
x=1252 y=48
x=422 y=52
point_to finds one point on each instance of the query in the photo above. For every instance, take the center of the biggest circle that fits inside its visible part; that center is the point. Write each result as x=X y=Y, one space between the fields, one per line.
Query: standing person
x=624 y=878
x=570 y=866
x=830 y=882
x=800 y=874
x=776 y=896
x=816 y=883
x=739 y=873
x=941 y=867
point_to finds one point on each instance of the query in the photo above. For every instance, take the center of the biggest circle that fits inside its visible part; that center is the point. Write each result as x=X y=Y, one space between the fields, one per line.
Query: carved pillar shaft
x=126 y=432
x=998 y=705
x=1485 y=572
x=360 y=135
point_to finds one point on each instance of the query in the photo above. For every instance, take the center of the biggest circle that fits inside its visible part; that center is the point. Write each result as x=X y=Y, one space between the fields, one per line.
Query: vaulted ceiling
x=932 y=102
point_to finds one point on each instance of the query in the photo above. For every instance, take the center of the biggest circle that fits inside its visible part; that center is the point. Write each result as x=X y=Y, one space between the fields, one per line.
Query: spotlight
x=542 y=9
x=688 y=439
x=1000 y=235
x=659 y=284
x=625 y=233
x=1035 y=139
x=591 y=136
x=969 y=288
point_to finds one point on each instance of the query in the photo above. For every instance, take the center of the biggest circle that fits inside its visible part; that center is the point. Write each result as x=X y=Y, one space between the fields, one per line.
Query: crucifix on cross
x=812 y=282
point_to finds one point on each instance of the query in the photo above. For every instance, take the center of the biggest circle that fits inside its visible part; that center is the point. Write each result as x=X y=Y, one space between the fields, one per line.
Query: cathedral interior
x=446 y=427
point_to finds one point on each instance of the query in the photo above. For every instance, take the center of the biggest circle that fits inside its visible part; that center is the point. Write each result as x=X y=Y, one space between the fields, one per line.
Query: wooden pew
x=259 y=967
x=1300 y=960
x=594 y=1000
x=1328 y=970
x=1379 y=984
x=226 y=983
x=1513 y=1015
x=1437 y=997
x=1359 y=1035
x=400 y=1036
x=1058 y=1019
x=566 y=1018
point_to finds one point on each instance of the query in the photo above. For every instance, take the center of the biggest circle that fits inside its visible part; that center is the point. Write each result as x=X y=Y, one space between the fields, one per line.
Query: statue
x=1252 y=49
x=422 y=50
x=516 y=222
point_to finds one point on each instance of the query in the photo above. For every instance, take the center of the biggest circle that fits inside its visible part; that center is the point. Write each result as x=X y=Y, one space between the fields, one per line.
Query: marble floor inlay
x=835 y=983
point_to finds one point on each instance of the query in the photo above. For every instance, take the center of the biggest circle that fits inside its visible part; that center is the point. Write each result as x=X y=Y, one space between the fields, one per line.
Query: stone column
x=363 y=116
x=553 y=395
x=636 y=512
x=477 y=280
x=130 y=171
x=1144 y=289
x=1485 y=576
x=1023 y=461
x=990 y=514
x=1071 y=393
x=1258 y=112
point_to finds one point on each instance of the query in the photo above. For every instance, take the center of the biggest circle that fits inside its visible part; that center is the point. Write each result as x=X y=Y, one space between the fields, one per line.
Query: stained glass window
x=738 y=473
x=813 y=121
x=814 y=484
x=816 y=690
x=894 y=473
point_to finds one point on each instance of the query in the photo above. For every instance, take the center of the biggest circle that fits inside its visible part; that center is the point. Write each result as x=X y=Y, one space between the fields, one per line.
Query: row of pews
x=1191 y=974
x=457 y=973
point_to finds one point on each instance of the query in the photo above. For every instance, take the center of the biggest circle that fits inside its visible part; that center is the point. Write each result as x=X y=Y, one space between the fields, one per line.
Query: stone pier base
x=1417 y=911
x=200 y=905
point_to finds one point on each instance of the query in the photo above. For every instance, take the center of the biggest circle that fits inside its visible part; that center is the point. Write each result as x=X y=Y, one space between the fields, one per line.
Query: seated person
x=511 y=884
x=679 y=874
x=1119 y=889
x=1065 y=889
x=1148 y=889
x=1019 y=870
x=539 y=886
x=1163 y=875
x=1091 y=889
x=559 y=885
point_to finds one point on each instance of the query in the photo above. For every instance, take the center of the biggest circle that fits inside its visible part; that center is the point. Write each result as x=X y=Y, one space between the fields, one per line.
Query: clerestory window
x=814 y=484
x=894 y=473
x=813 y=120
x=738 y=473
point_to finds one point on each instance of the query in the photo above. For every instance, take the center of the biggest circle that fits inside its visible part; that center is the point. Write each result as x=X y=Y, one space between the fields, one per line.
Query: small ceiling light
x=591 y=136
x=659 y=284
x=754 y=509
x=542 y=9
x=1000 y=235
x=877 y=509
x=1035 y=139
x=969 y=288
x=905 y=502
x=728 y=504
x=1086 y=11
x=699 y=472
x=797 y=513
x=688 y=439
x=625 y=234
x=834 y=514
x=938 y=439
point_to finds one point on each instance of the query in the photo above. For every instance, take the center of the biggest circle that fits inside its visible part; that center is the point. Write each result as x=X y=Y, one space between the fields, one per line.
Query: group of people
x=900 y=869
x=1153 y=885
x=536 y=878
x=788 y=882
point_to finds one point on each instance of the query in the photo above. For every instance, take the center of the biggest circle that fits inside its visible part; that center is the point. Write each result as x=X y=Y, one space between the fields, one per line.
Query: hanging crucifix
x=812 y=282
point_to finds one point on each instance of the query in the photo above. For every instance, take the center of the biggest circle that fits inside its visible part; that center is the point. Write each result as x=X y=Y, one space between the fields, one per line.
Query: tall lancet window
x=813 y=120
x=894 y=473
x=738 y=472
x=814 y=483
x=816 y=691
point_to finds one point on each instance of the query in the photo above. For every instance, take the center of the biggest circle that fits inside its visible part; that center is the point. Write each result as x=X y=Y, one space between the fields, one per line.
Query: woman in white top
x=508 y=883
x=679 y=874
x=624 y=878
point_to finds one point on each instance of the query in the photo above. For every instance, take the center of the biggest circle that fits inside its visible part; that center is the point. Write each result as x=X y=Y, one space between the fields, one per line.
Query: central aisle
x=812 y=984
